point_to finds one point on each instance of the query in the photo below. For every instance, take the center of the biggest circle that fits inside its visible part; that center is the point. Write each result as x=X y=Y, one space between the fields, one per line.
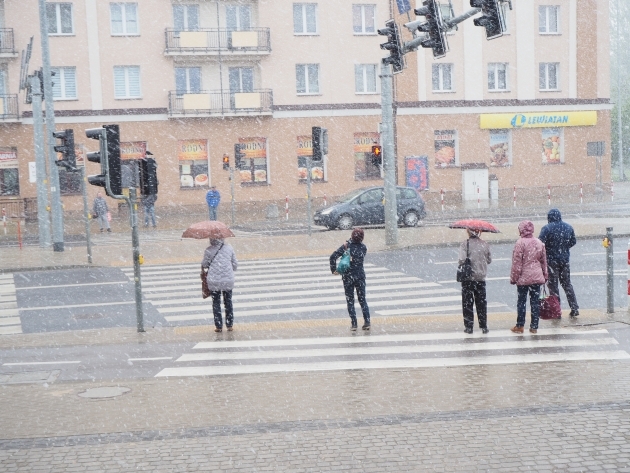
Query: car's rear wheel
x=411 y=219
x=345 y=222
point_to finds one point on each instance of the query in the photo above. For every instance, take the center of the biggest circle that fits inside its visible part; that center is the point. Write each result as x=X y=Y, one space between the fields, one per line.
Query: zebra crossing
x=295 y=288
x=9 y=315
x=401 y=351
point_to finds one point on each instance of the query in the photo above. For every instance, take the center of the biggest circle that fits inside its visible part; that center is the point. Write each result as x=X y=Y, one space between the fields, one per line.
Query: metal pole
x=135 y=243
x=389 y=159
x=610 y=281
x=622 y=177
x=55 y=195
x=86 y=215
x=43 y=218
x=232 y=191
x=308 y=194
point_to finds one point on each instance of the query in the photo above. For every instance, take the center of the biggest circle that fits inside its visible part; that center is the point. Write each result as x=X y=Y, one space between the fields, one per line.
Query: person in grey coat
x=100 y=210
x=219 y=260
x=474 y=290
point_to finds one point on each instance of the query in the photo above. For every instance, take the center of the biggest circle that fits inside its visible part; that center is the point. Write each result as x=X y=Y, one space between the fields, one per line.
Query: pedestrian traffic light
x=109 y=158
x=492 y=19
x=377 y=155
x=320 y=144
x=66 y=148
x=40 y=74
x=226 y=162
x=239 y=156
x=148 y=176
x=434 y=27
x=394 y=46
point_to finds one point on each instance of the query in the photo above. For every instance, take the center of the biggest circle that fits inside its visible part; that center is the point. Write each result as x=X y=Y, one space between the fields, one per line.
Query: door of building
x=473 y=179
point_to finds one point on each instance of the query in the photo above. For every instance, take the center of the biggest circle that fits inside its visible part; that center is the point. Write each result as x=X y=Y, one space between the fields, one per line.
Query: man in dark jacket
x=559 y=238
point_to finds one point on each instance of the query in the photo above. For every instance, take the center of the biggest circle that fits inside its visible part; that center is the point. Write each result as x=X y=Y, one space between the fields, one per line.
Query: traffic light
x=40 y=74
x=148 y=176
x=434 y=27
x=492 y=19
x=377 y=155
x=238 y=155
x=226 y=162
x=394 y=46
x=320 y=144
x=109 y=158
x=66 y=148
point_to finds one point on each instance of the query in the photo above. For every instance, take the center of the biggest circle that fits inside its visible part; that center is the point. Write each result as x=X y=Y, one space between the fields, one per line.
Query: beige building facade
x=187 y=80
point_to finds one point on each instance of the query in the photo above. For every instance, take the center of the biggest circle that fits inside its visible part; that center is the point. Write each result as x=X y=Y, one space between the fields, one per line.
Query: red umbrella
x=478 y=225
x=208 y=229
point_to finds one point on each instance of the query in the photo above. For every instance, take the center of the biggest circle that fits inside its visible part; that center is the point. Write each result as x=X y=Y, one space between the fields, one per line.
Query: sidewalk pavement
x=167 y=248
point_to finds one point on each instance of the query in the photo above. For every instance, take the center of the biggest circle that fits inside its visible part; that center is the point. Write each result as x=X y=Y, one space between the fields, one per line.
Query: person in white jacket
x=220 y=262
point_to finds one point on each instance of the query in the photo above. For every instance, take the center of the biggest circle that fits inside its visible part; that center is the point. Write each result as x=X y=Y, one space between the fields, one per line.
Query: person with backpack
x=353 y=276
x=474 y=285
x=219 y=261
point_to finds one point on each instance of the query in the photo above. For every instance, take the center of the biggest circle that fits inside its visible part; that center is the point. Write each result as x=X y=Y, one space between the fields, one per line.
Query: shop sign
x=254 y=164
x=133 y=150
x=192 y=150
x=445 y=142
x=8 y=159
x=537 y=120
x=417 y=172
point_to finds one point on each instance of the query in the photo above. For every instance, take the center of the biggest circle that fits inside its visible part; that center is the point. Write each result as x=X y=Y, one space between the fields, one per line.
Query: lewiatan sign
x=500 y=121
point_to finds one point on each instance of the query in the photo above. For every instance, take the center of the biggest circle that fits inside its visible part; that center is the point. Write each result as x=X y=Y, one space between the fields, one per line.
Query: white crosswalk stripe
x=402 y=351
x=10 y=321
x=299 y=287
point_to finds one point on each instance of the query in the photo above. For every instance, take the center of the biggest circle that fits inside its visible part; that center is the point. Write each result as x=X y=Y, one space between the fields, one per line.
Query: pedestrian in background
x=100 y=211
x=148 y=202
x=213 y=198
x=558 y=238
x=474 y=289
x=354 y=278
x=219 y=260
x=529 y=271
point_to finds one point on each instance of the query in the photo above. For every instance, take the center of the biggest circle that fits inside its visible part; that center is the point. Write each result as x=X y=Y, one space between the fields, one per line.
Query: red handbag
x=550 y=306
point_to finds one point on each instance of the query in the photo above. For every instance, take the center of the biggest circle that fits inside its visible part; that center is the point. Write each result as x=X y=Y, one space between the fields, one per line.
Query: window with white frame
x=64 y=83
x=188 y=80
x=447 y=14
x=127 y=82
x=186 y=17
x=549 y=19
x=548 y=78
x=363 y=19
x=365 y=78
x=442 y=77
x=307 y=78
x=497 y=76
x=124 y=18
x=59 y=18
x=305 y=18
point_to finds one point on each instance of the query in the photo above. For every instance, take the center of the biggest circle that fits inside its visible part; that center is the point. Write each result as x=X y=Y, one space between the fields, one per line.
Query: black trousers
x=349 y=285
x=474 y=293
x=216 y=308
x=562 y=272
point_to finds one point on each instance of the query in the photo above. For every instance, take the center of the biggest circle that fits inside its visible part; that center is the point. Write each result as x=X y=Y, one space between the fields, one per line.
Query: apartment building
x=187 y=80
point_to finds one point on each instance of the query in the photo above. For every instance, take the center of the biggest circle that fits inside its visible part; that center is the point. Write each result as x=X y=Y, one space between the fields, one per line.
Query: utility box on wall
x=474 y=182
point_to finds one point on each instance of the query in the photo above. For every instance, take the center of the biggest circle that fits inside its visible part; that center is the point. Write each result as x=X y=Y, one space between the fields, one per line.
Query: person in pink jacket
x=529 y=271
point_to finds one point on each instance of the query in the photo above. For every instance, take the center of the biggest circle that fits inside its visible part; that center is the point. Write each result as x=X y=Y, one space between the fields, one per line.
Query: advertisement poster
x=363 y=167
x=254 y=164
x=304 y=151
x=445 y=148
x=79 y=152
x=500 y=153
x=133 y=150
x=552 y=146
x=417 y=172
x=8 y=159
x=193 y=163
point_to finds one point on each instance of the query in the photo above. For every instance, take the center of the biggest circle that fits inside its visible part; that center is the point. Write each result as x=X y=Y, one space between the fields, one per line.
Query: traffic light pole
x=55 y=194
x=135 y=243
x=309 y=210
x=389 y=158
x=43 y=220
x=86 y=215
x=232 y=191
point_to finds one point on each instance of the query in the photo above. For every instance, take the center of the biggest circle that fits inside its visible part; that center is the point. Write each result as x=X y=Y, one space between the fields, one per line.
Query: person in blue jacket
x=559 y=238
x=354 y=278
x=213 y=197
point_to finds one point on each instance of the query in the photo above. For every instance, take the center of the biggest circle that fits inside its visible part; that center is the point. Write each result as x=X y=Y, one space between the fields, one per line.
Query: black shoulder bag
x=464 y=271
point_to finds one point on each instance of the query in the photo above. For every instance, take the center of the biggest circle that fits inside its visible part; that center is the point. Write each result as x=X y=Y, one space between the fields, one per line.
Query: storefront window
x=552 y=146
x=253 y=167
x=305 y=151
x=500 y=148
x=70 y=182
x=446 y=148
x=364 y=169
x=193 y=164
x=9 y=174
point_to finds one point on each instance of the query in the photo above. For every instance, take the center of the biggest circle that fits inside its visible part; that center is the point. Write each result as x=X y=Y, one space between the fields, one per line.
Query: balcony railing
x=213 y=41
x=9 y=107
x=7 y=46
x=220 y=103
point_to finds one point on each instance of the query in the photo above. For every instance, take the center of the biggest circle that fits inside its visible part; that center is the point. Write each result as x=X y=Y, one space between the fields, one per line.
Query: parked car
x=365 y=207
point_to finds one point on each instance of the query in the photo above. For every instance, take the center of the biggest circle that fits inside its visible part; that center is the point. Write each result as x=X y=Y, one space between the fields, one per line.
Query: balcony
x=218 y=41
x=9 y=108
x=7 y=46
x=219 y=103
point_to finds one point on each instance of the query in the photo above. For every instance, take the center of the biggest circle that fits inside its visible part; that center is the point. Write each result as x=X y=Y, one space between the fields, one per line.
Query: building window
x=59 y=18
x=64 y=83
x=307 y=78
x=69 y=182
x=364 y=168
x=304 y=153
x=446 y=148
x=365 y=78
x=186 y=17
x=442 y=77
x=9 y=182
x=188 y=80
x=253 y=169
x=549 y=19
x=363 y=19
x=238 y=17
x=506 y=9
x=124 y=17
x=497 y=77
x=193 y=163
x=305 y=18
x=447 y=14
x=127 y=82
x=548 y=76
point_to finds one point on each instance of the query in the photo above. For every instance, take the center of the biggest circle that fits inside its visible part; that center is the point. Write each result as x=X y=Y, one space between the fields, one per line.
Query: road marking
x=73 y=306
x=603 y=253
x=10 y=330
x=42 y=363
x=422 y=310
x=446 y=262
x=10 y=322
x=72 y=285
x=276 y=262
x=151 y=359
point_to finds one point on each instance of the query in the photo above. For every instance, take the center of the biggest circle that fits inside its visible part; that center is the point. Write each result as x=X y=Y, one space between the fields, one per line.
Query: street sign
x=595 y=148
